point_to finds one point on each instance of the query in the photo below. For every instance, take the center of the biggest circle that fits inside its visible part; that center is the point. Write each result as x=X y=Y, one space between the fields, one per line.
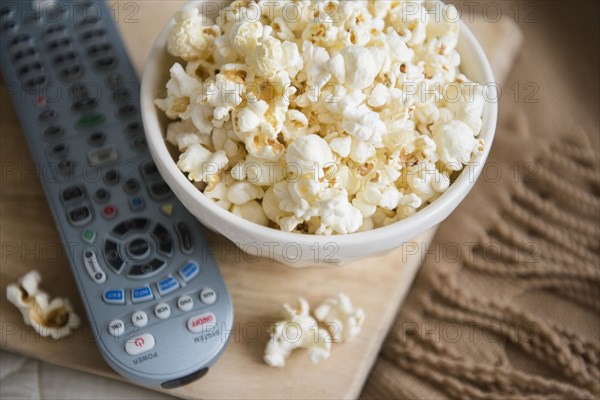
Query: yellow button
x=167 y=209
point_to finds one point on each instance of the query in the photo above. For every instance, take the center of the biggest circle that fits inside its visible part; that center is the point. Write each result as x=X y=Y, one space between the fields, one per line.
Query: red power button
x=41 y=101
x=109 y=212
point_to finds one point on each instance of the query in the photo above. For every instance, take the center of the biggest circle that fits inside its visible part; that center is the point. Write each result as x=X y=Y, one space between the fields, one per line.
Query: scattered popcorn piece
x=297 y=330
x=54 y=318
x=350 y=117
x=343 y=321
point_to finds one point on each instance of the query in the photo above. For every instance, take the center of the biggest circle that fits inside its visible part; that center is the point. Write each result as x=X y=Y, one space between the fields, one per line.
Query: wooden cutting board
x=29 y=241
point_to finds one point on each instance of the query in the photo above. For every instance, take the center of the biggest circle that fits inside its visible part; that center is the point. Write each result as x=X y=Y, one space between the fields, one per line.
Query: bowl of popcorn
x=317 y=132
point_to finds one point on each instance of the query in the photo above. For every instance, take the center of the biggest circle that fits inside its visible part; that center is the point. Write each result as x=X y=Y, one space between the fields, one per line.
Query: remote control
x=152 y=290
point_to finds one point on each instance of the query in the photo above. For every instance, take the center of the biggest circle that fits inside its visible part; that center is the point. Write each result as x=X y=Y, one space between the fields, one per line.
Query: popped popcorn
x=334 y=321
x=297 y=330
x=350 y=117
x=343 y=321
x=55 y=318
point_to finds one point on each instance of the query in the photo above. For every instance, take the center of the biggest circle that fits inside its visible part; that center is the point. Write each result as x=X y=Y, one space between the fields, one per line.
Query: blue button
x=136 y=203
x=114 y=296
x=167 y=285
x=189 y=271
x=141 y=294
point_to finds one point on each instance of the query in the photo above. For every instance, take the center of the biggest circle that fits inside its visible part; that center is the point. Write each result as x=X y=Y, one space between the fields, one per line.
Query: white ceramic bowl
x=299 y=250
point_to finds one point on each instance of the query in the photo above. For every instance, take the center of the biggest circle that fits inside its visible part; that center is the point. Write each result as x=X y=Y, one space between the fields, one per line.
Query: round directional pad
x=138 y=248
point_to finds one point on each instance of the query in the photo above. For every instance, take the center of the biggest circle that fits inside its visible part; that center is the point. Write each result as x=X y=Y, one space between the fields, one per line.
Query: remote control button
x=131 y=186
x=109 y=212
x=97 y=139
x=60 y=150
x=59 y=43
x=6 y=10
x=116 y=328
x=163 y=240
x=160 y=191
x=127 y=110
x=55 y=29
x=35 y=83
x=114 y=81
x=149 y=170
x=47 y=116
x=167 y=286
x=162 y=311
x=185 y=237
x=138 y=249
x=81 y=104
x=65 y=58
x=102 y=195
x=78 y=92
x=114 y=296
x=103 y=156
x=80 y=216
x=41 y=101
x=139 y=319
x=201 y=322
x=121 y=94
x=89 y=236
x=134 y=128
x=98 y=49
x=141 y=294
x=139 y=344
x=92 y=34
x=111 y=253
x=72 y=193
x=106 y=63
x=130 y=226
x=136 y=203
x=90 y=120
x=139 y=143
x=167 y=209
x=66 y=167
x=8 y=26
x=185 y=303
x=31 y=68
x=53 y=132
x=87 y=21
x=20 y=39
x=145 y=270
x=111 y=177
x=92 y=267
x=208 y=296
x=189 y=271
x=21 y=54
x=70 y=74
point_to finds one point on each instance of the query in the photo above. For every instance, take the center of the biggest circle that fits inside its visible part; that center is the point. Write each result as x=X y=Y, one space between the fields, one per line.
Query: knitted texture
x=465 y=319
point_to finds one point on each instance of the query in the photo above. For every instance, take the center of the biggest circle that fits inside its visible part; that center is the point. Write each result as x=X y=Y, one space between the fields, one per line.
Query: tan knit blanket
x=507 y=304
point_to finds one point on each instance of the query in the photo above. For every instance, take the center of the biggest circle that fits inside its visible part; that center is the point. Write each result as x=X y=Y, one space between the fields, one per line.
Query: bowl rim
x=422 y=220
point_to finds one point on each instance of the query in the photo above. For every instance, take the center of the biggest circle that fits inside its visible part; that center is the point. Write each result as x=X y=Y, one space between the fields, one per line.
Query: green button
x=89 y=120
x=89 y=236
